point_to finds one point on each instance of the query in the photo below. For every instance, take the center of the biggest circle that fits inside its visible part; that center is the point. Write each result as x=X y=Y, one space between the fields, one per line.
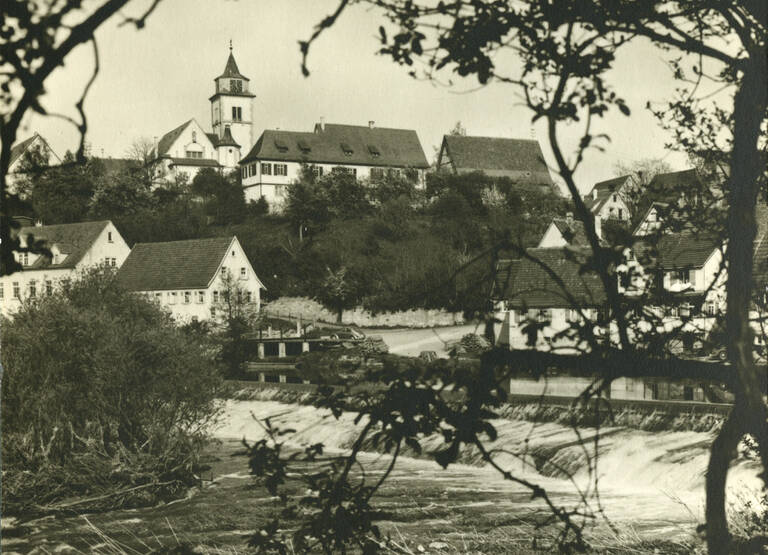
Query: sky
x=154 y=79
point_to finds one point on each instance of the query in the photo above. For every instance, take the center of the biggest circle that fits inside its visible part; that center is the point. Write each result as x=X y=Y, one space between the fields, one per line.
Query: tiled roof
x=173 y=265
x=342 y=144
x=231 y=70
x=572 y=231
x=525 y=283
x=497 y=156
x=684 y=250
x=74 y=240
x=604 y=191
x=18 y=149
x=205 y=162
x=167 y=140
x=214 y=138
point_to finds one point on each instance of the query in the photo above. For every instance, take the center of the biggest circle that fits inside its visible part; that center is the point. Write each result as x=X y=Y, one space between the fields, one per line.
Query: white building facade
x=367 y=152
x=191 y=279
x=74 y=248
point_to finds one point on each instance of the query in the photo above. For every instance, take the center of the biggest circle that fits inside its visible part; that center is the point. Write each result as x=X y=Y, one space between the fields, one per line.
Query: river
x=650 y=489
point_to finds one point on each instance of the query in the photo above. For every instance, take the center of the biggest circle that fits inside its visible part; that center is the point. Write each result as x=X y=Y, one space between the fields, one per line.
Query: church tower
x=231 y=110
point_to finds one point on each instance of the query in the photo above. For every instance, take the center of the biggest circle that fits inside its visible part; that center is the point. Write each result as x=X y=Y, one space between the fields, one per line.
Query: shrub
x=100 y=383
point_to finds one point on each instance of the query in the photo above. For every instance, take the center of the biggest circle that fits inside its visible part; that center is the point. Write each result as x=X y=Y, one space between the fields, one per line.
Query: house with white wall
x=191 y=278
x=567 y=232
x=609 y=200
x=20 y=149
x=368 y=152
x=74 y=247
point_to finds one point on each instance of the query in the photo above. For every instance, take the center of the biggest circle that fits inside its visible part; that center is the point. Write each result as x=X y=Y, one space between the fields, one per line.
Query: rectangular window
x=25 y=259
x=266 y=168
x=317 y=171
x=281 y=169
x=572 y=315
x=187 y=297
x=48 y=287
x=32 y=288
x=243 y=273
x=109 y=237
x=16 y=290
x=248 y=296
x=377 y=173
x=172 y=298
x=711 y=308
x=215 y=296
x=200 y=297
x=237 y=113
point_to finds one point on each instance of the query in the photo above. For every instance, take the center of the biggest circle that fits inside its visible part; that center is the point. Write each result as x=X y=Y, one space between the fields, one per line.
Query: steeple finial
x=230 y=45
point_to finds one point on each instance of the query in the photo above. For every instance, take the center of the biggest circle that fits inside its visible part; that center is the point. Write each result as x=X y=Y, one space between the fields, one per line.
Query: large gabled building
x=18 y=152
x=520 y=160
x=367 y=152
x=191 y=278
x=74 y=247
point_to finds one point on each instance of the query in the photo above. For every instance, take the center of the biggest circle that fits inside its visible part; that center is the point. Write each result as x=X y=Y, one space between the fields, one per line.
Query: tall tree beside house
x=306 y=205
x=235 y=317
x=337 y=291
x=222 y=195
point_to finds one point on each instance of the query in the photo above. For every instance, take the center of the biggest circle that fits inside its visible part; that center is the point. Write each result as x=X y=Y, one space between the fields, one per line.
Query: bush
x=101 y=391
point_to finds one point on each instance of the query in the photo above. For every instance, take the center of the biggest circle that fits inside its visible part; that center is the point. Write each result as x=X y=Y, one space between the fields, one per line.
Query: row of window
x=267 y=168
x=31 y=289
x=198 y=297
x=237 y=113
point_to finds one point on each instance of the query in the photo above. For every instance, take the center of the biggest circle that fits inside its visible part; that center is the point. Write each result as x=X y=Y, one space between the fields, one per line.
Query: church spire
x=231 y=70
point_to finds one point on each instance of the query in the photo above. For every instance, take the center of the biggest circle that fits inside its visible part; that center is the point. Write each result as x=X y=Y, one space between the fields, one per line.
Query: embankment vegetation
x=104 y=400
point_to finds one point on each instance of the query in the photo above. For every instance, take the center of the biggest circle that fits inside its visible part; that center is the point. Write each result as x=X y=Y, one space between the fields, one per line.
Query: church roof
x=172 y=265
x=167 y=140
x=227 y=139
x=231 y=70
x=343 y=145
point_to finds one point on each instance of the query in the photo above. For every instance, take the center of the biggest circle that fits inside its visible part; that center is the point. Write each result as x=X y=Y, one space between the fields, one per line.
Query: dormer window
x=347 y=149
x=235 y=85
x=304 y=147
x=281 y=146
x=374 y=150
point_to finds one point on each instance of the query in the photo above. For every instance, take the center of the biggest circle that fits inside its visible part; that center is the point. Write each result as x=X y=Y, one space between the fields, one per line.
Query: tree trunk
x=339 y=313
x=749 y=412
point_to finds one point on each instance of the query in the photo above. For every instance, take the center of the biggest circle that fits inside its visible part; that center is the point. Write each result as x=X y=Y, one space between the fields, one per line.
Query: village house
x=610 y=200
x=188 y=148
x=367 y=152
x=193 y=278
x=74 y=247
x=567 y=232
x=34 y=143
x=520 y=160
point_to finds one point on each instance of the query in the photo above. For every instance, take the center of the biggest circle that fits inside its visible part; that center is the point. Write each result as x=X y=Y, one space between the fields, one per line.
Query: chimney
x=371 y=123
x=322 y=123
x=598 y=227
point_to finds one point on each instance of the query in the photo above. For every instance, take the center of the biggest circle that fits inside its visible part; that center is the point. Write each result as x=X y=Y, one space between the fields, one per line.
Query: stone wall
x=312 y=310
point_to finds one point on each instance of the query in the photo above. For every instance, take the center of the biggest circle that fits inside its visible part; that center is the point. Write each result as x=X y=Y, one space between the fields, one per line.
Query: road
x=410 y=342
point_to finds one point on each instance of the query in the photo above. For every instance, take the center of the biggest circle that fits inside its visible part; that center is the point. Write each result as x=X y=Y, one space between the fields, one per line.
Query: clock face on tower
x=235 y=85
